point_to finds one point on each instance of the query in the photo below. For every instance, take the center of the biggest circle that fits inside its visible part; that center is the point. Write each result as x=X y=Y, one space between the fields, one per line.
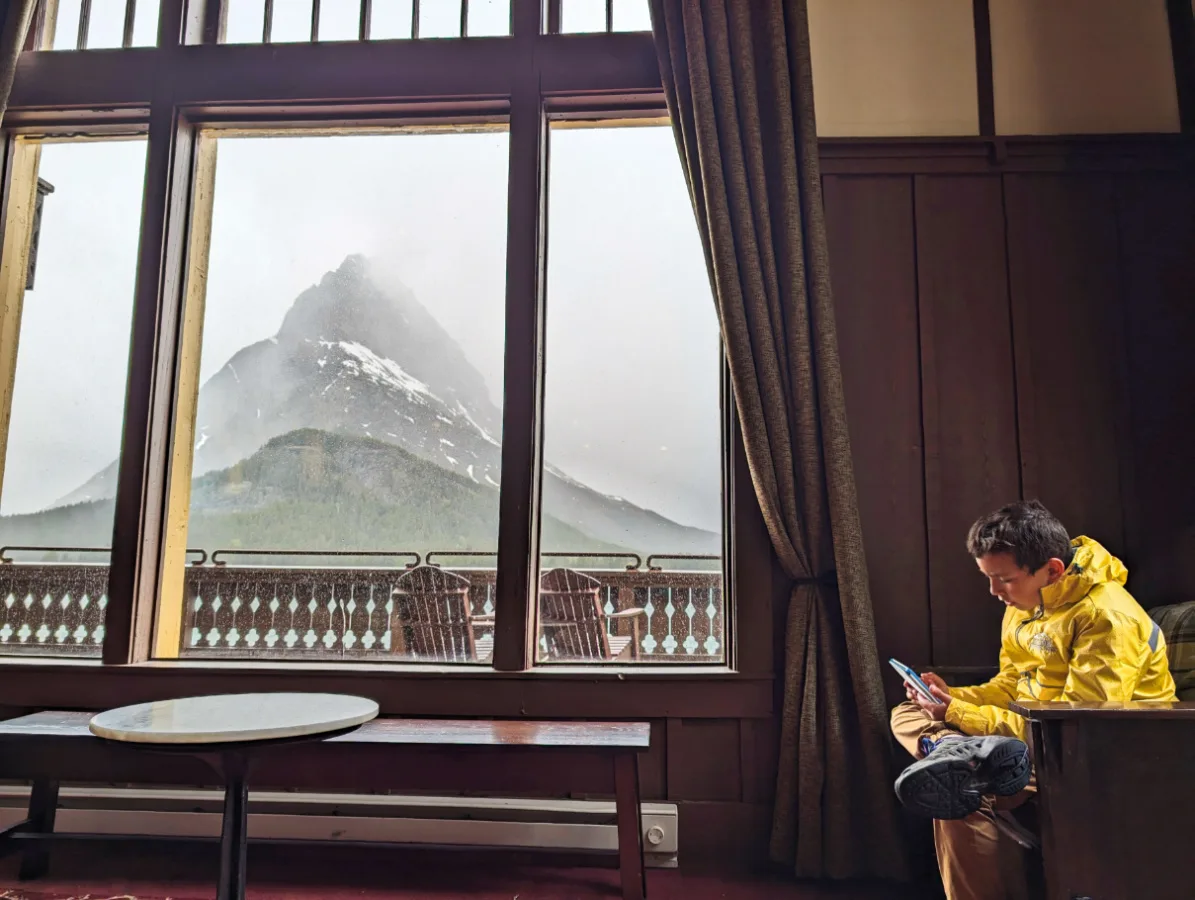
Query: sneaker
x=951 y=781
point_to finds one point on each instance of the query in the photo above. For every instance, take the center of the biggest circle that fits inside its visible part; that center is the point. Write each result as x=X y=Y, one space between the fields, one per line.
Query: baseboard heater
x=559 y=825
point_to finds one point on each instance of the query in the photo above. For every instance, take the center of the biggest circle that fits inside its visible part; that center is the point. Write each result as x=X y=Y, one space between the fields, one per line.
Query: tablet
x=912 y=679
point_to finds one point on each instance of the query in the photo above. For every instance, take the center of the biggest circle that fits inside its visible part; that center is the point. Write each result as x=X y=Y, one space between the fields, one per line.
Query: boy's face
x=1014 y=585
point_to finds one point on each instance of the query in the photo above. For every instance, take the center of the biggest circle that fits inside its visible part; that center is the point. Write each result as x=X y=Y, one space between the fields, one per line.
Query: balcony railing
x=322 y=613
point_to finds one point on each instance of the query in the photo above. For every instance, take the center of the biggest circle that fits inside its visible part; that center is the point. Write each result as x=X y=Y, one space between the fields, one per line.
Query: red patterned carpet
x=123 y=871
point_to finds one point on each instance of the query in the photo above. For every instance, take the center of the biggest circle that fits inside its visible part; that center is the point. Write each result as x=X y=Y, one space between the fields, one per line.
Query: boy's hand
x=937 y=687
x=935 y=681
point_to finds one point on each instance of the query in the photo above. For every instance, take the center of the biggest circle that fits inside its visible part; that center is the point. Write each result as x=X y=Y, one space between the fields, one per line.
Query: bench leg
x=234 y=837
x=628 y=810
x=43 y=804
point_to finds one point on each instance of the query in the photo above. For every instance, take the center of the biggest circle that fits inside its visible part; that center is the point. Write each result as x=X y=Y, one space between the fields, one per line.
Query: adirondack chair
x=575 y=626
x=432 y=620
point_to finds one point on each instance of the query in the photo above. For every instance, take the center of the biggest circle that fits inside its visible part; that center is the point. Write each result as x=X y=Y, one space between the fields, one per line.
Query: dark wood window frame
x=190 y=80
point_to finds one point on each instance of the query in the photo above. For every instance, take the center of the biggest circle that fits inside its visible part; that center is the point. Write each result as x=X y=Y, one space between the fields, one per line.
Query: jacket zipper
x=1027 y=677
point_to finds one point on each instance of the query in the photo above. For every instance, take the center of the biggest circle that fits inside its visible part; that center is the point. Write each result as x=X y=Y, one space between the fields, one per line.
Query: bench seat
x=501 y=757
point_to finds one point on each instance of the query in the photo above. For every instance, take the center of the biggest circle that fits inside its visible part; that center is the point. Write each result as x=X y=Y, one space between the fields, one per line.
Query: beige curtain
x=14 y=26
x=739 y=87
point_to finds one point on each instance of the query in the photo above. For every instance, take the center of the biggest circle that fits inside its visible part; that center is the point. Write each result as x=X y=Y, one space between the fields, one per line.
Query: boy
x=1071 y=632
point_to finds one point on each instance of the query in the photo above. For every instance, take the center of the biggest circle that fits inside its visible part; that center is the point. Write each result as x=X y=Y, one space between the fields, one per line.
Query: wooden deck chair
x=575 y=626
x=432 y=621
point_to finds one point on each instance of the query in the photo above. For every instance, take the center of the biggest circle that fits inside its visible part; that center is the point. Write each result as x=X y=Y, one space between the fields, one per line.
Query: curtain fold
x=15 y=18
x=738 y=82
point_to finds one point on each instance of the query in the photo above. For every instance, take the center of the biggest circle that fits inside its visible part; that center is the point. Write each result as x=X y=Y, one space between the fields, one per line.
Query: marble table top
x=233 y=718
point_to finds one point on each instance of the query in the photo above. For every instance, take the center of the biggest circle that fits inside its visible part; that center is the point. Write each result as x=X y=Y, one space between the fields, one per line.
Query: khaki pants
x=976 y=861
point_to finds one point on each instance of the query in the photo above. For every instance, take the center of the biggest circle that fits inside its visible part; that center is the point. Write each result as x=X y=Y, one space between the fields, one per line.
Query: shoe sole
x=954 y=788
x=946 y=790
x=1007 y=769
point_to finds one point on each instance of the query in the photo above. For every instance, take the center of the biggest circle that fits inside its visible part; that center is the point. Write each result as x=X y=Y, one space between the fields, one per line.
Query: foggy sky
x=631 y=403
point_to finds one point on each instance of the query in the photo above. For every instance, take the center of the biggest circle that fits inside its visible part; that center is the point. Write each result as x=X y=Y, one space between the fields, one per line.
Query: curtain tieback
x=827 y=579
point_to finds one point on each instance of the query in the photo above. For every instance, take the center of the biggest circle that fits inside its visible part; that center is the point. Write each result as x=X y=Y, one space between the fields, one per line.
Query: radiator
x=563 y=825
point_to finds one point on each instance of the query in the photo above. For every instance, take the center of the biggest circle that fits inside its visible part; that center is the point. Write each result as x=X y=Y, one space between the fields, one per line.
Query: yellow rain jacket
x=1087 y=641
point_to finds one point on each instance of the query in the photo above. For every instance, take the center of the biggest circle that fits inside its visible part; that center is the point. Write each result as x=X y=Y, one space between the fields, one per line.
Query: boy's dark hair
x=1027 y=530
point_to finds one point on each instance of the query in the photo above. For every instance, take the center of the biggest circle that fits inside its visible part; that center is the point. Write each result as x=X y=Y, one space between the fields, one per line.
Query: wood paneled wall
x=1016 y=328
x=1022 y=328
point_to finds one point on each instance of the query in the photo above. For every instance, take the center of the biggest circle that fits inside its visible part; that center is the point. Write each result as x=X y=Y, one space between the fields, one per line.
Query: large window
x=358 y=331
x=71 y=254
x=632 y=492
x=344 y=419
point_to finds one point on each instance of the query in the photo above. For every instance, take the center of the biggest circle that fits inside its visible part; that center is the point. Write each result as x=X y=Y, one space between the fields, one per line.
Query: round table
x=225 y=730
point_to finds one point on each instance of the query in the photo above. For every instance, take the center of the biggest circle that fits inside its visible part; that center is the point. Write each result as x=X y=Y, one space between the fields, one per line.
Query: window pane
x=439 y=18
x=66 y=25
x=68 y=397
x=632 y=492
x=391 y=20
x=106 y=25
x=578 y=16
x=489 y=18
x=244 y=21
x=339 y=20
x=349 y=392
x=632 y=15
x=292 y=21
x=145 y=24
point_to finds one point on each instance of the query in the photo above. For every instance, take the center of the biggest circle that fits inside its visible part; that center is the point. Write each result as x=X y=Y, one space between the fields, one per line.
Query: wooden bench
x=1116 y=787
x=508 y=757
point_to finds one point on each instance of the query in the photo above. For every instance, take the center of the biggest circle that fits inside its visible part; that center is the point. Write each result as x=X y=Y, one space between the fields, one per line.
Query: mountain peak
x=351 y=304
x=356 y=267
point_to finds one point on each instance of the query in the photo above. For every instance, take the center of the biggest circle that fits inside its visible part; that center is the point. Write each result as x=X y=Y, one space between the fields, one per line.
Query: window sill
x=546 y=692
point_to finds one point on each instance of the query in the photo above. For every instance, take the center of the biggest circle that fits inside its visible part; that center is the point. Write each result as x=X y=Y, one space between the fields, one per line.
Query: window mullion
x=145 y=446
x=522 y=426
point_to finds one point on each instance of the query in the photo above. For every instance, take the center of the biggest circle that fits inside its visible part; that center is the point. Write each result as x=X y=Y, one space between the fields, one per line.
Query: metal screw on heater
x=655 y=835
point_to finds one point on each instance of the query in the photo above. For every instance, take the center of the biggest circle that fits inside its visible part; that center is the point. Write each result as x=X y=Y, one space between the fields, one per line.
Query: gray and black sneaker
x=952 y=779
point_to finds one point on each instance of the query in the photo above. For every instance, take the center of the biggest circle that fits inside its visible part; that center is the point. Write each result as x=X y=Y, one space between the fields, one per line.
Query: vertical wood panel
x=653 y=765
x=703 y=759
x=1157 y=238
x=758 y=753
x=968 y=398
x=870 y=225
x=1069 y=344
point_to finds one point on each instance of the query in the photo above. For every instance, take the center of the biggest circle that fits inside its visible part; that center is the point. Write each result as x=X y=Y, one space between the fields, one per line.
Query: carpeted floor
x=123 y=871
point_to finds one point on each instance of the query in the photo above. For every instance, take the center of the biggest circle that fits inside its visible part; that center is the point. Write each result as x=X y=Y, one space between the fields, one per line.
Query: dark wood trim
x=599 y=64
x=84 y=25
x=215 y=19
x=749 y=602
x=145 y=447
x=366 y=24
x=130 y=19
x=141 y=474
x=931 y=446
x=1171 y=153
x=984 y=80
x=522 y=421
x=405 y=691
x=1182 y=46
x=1092 y=710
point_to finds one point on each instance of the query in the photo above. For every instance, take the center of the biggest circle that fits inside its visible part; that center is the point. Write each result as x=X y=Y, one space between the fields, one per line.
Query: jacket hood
x=1092 y=565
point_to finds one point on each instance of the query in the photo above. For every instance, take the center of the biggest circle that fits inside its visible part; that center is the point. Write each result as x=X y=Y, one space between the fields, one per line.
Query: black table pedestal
x=234 y=836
